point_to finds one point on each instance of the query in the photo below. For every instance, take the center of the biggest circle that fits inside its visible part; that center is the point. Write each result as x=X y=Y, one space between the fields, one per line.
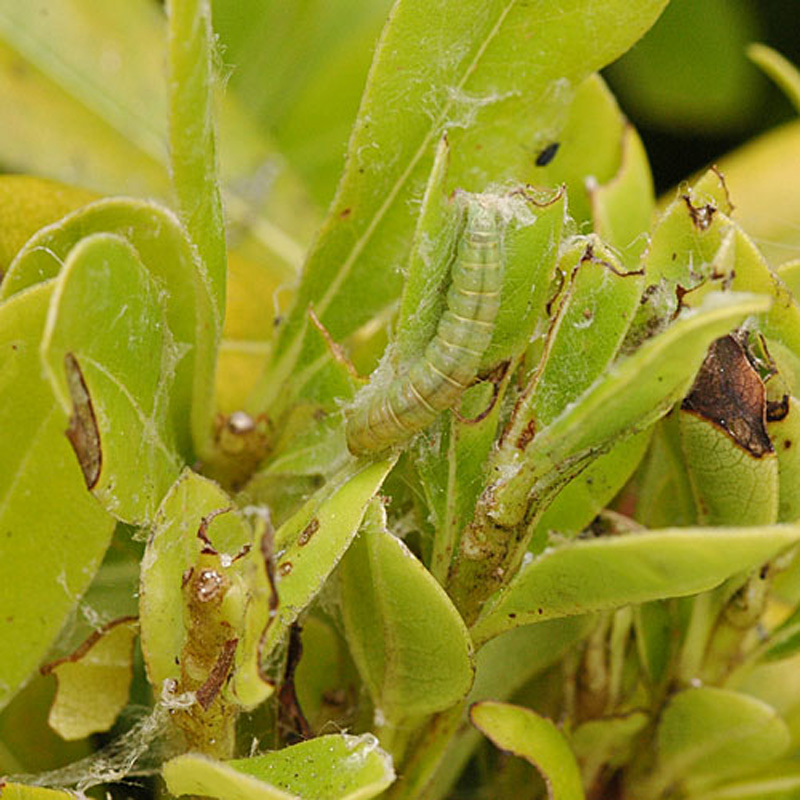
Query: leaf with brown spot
x=729 y=393
x=54 y=533
x=82 y=433
x=208 y=692
x=107 y=323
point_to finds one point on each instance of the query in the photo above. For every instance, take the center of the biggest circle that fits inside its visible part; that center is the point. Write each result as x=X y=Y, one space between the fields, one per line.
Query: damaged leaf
x=167 y=256
x=172 y=562
x=628 y=397
x=494 y=117
x=82 y=432
x=104 y=663
x=309 y=545
x=54 y=533
x=732 y=464
x=729 y=393
x=106 y=324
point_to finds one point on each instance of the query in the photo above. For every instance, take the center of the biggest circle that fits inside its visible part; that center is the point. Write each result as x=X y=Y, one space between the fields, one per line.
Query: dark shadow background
x=690 y=89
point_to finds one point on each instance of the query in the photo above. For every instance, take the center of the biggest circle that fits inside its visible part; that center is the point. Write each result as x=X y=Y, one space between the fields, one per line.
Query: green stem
x=193 y=167
x=429 y=749
x=192 y=139
x=620 y=635
x=705 y=611
x=444 y=543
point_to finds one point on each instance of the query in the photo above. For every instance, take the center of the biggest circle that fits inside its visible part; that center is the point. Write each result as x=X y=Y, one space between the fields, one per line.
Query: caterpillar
x=435 y=381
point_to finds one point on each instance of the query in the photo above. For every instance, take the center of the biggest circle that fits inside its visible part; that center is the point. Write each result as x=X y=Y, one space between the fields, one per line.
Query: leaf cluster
x=587 y=560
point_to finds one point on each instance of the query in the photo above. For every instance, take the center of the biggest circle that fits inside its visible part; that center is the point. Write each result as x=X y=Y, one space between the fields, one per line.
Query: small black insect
x=548 y=154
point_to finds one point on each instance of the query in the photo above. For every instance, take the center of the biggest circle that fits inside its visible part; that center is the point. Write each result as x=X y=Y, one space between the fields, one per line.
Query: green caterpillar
x=450 y=363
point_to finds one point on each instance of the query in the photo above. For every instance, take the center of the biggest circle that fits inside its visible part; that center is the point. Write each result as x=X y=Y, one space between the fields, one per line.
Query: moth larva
x=450 y=363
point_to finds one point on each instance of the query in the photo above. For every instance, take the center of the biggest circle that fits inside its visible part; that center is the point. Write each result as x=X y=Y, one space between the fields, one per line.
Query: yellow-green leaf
x=393 y=609
x=335 y=766
x=93 y=682
x=536 y=739
x=596 y=574
x=54 y=532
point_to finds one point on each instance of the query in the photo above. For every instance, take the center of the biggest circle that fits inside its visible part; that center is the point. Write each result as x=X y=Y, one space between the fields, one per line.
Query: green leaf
x=781 y=782
x=174 y=548
x=49 y=134
x=531 y=242
x=27 y=743
x=324 y=670
x=780 y=69
x=579 y=502
x=739 y=257
x=28 y=204
x=622 y=207
x=328 y=381
x=789 y=273
x=504 y=664
x=627 y=398
x=785 y=436
x=664 y=496
x=460 y=68
x=731 y=486
x=696 y=248
x=536 y=739
x=300 y=71
x=309 y=545
x=340 y=766
x=110 y=361
x=593 y=315
x=113 y=593
x=307 y=446
x=708 y=734
x=103 y=664
x=193 y=160
x=606 y=743
x=592 y=575
x=784 y=641
x=654 y=625
x=452 y=468
x=587 y=154
x=422 y=301
x=163 y=248
x=54 y=531
x=766 y=203
x=393 y=609
x=17 y=791
x=657 y=81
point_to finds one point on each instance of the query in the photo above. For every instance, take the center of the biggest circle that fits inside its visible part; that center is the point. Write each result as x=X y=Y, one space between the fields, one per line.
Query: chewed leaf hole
x=83 y=433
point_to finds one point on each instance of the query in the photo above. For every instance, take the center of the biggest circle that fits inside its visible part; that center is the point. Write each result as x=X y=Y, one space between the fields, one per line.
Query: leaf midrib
x=391 y=196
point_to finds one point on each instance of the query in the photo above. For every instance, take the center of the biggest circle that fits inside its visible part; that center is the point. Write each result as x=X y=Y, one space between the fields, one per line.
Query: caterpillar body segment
x=451 y=360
